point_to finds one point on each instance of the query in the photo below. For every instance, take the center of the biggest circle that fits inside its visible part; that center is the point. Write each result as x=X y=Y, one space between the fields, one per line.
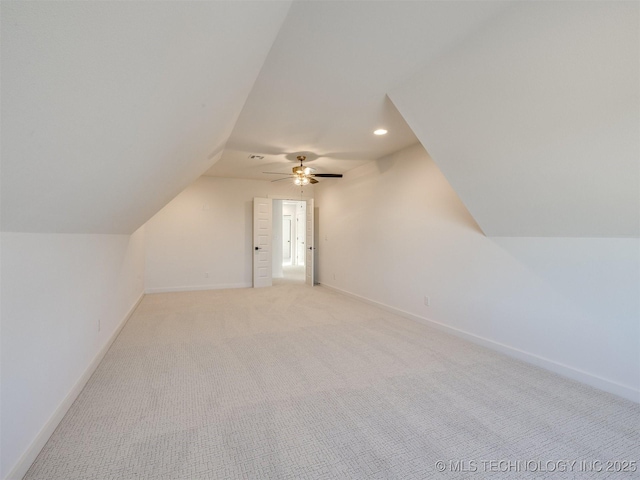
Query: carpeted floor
x=291 y=382
x=291 y=274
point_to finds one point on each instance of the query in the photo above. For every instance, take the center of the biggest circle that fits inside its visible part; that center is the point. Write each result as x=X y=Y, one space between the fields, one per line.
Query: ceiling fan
x=303 y=175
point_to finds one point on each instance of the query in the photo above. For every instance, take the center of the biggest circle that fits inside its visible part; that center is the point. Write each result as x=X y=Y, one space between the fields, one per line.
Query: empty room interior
x=319 y=240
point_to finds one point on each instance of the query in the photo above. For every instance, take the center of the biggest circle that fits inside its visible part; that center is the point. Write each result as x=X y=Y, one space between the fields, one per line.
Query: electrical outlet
x=427 y=301
x=206 y=274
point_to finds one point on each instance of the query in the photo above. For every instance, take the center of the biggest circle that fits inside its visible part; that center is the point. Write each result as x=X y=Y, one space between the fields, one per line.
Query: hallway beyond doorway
x=291 y=274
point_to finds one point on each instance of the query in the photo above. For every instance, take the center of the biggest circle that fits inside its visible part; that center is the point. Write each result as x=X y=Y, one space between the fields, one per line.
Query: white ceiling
x=535 y=119
x=110 y=109
x=322 y=90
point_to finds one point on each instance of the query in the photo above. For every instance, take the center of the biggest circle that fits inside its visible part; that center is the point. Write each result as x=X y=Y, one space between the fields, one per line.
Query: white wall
x=394 y=230
x=55 y=290
x=203 y=238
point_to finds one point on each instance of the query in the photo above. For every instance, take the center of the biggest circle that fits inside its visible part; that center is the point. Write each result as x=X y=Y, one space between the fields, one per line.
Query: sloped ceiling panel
x=109 y=109
x=535 y=119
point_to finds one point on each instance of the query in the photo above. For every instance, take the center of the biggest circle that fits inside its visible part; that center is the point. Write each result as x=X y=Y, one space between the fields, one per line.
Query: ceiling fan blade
x=313 y=180
x=279 y=179
x=326 y=175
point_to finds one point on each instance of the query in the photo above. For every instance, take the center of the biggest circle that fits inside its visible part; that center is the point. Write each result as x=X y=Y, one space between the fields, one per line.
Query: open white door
x=310 y=247
x=262 y=274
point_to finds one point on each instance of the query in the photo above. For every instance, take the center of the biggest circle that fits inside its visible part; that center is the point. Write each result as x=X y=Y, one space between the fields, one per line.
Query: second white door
x=310 y=247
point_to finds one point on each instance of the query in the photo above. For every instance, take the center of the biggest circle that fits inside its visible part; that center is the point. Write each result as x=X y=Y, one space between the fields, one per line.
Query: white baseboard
x=24 y=462
x=192 y=288
x=555 y=367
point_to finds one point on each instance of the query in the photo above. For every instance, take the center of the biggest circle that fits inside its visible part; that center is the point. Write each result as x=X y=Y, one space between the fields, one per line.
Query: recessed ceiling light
x=380 y=131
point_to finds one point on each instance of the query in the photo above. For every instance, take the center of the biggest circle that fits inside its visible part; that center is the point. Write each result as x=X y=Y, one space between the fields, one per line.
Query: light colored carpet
x=291 y=382
x=291 y=274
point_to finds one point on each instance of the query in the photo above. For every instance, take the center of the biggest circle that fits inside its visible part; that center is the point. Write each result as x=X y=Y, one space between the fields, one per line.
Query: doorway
x=289 y=223
x=283 y=241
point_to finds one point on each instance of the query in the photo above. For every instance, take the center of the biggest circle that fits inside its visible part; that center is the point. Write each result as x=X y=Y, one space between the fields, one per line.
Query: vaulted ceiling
x=531 y=109
x=110 y=109
x=535 y=119
x=322 y=89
